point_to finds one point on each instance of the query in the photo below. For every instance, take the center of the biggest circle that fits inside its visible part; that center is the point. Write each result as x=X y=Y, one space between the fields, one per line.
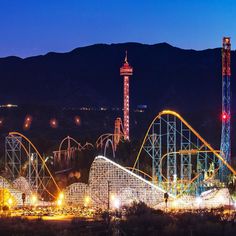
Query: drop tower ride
x=226 y=114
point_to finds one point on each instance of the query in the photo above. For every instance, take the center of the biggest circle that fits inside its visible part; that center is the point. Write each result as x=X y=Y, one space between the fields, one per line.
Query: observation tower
x=226 y=116
x=126 y=71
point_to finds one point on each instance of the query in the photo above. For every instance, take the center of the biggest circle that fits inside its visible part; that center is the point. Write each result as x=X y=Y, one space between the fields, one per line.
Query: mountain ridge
x=165 y=77
x=91 y=75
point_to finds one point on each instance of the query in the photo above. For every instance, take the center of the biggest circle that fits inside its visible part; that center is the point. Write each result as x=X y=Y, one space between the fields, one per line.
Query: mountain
x=164 y=76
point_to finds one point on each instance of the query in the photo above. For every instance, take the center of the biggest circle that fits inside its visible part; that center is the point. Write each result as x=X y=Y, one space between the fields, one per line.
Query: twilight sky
x=32 y=27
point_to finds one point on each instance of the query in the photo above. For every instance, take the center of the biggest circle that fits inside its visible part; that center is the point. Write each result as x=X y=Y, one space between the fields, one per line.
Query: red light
x=225 y=116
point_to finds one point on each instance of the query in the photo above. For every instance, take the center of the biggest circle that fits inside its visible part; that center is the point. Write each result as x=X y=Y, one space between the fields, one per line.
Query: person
x=23 y=198
x=166 y=196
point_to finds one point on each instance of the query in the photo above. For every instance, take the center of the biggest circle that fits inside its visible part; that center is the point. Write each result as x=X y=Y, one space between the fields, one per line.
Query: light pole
x=108 y=204
x=108 y=195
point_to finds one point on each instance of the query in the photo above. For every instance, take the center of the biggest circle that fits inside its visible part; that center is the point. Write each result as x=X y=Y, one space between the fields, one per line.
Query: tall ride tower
x=126 y=70
x=226 y=116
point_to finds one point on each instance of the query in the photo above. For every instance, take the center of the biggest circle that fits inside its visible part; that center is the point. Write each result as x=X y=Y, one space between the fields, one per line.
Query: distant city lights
x=141 y=108
x=8 y=106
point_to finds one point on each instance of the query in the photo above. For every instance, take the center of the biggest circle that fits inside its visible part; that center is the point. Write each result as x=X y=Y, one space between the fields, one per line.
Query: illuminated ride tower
x=226 y=116
x=126 y=70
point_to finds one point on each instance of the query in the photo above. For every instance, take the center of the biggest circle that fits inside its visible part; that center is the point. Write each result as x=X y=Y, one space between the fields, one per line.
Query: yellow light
x=10 y=201
x=174 y=204
x=86 y=201
x=33 y=199
x=60 y=199
x=61 y=196
x=59 y=202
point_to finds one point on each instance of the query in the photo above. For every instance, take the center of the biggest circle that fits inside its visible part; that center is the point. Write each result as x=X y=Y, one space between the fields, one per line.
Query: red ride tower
x=126 y=71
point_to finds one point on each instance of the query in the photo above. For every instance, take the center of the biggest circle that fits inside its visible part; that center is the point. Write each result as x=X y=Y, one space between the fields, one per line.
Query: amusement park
x=118 y=138
x=175 y=167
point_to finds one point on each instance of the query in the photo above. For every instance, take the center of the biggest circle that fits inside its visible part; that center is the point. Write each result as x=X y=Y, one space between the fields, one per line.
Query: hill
x=187 y=81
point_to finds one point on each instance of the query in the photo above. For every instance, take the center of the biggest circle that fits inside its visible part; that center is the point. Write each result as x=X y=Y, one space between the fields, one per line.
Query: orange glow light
x=53 y=123
x=28 y=118
x=28 y=121
x=26 y=125
x=77 y=120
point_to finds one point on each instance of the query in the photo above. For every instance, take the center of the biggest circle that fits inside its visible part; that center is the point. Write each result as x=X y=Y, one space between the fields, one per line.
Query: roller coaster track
x=173 y=113
x=141 y=172
x=80 y=147
x=17 y=134
x=41 y=182
x=65 y=154
x=150 y=141
x=179 y=152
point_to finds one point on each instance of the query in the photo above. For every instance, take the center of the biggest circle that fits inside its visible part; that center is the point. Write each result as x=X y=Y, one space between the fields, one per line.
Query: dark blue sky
x=32 y=27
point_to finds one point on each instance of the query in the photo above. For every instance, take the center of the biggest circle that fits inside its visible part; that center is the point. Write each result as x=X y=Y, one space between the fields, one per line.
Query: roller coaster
x=67 y=151
x=111 y=139
x=181 y=161
x=22 y=159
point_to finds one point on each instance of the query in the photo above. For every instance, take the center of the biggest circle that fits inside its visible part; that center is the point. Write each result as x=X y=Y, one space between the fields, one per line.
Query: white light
x=175 y=177
x=221 y=199
x=117 y=203
x=235 y=204
x=198 y=200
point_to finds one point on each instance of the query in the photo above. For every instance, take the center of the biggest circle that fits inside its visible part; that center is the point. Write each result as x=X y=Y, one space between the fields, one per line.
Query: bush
x=137 y=208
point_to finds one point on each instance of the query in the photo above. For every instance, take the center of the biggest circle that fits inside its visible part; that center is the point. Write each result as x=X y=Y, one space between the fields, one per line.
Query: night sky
x=30 y=27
